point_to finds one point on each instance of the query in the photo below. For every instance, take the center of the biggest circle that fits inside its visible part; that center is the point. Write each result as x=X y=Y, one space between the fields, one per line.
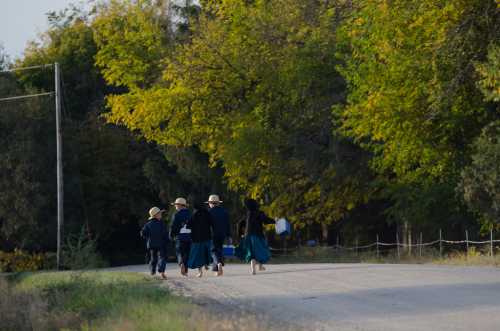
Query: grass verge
x=102 y=300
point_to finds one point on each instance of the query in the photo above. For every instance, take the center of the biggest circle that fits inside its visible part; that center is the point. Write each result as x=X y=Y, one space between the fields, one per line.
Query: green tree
x=413 y=96
x=489 y=72
x=24 y=197
x=480 y=184
x=106 y=187
x=253 y=89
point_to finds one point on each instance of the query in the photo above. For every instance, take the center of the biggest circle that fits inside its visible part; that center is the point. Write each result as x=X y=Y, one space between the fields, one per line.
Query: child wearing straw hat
x=156 y=234
x=222 y=230
x=253 y=247
x=181 y=234
x=201 y=225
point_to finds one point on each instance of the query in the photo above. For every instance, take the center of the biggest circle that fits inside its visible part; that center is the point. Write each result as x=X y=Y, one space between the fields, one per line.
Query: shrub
x=20 y=260
x=80 y=252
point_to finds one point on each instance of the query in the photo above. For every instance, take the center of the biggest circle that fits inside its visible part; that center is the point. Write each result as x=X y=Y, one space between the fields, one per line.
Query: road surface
x=355 y=296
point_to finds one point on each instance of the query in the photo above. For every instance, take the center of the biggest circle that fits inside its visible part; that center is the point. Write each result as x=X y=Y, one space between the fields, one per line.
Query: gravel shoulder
x=352 y=296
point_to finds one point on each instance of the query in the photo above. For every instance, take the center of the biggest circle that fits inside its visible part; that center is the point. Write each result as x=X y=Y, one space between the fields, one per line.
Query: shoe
x=252 y=267
x=206 y=267
x=153 y=273
x=163 y=276
x=220 y=272
x=200 y=273
x=261 y=268
x=183 y=270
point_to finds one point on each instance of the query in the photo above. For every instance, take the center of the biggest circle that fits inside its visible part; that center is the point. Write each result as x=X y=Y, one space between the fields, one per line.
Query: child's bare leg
x=252 y=266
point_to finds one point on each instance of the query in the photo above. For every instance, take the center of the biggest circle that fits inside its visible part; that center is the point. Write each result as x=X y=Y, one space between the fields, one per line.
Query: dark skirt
x=200 y=254
x=253 y=247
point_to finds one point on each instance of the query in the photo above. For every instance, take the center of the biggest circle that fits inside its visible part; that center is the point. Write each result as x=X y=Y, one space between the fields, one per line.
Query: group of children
x=199 y=237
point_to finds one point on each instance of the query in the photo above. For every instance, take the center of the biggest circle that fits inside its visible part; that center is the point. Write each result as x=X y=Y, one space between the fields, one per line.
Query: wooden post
x=378 y=254
x=467 y=243
x=440 y=243
x=397 y=245
x=420 y=246
x=409 y=241
x=491 y=242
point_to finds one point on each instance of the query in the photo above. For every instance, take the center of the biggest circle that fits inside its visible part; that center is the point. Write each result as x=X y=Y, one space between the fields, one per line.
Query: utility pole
x=60 y=183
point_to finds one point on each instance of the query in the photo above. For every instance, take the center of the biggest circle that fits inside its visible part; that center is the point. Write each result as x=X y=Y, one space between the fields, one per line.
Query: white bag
x=282 y=226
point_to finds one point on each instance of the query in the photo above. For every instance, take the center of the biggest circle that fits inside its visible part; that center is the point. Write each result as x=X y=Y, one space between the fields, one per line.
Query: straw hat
x=153 y=212
x=180 y=201
x=214 y=198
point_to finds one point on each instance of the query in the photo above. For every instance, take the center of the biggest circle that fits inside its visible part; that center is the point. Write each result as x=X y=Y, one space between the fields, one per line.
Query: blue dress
x=200 y=254
x=254 y=245
x=201 y=225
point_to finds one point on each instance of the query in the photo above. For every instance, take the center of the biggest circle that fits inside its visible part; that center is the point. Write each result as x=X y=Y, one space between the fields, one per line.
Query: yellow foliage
x=20 y=260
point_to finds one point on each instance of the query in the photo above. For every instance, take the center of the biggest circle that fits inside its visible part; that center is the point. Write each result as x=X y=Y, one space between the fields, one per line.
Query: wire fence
x=379 y=246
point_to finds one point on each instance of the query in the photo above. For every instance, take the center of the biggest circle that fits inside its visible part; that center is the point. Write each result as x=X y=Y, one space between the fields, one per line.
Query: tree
x=480 y=181
x=106 y=189
x=133 y=38
x=24 y=198
x=253 y=89
x=413 y=96
x=489 y=72
x=480 y=184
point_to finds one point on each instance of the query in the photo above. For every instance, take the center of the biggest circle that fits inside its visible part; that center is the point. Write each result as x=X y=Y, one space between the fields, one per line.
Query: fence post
x=357 y=244
x=397 y=245
x=377 y=247
x=409 y=240
x=440 y=243
x=467 y=243
x=420 y=246
x=491 y=242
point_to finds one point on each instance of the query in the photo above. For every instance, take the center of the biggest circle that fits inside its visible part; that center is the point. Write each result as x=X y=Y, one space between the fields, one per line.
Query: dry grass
x=473 y=258
x=429 y=255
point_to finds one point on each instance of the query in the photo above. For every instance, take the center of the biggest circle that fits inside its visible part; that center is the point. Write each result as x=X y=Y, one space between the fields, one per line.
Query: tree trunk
x=324 y=233
x=406 y=236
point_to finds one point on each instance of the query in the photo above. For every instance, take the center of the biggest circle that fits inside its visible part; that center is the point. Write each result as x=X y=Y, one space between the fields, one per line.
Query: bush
x=20 y=260
x=80 y=252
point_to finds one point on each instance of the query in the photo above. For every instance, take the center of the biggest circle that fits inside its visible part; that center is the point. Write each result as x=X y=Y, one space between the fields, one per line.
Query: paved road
x=358 y=296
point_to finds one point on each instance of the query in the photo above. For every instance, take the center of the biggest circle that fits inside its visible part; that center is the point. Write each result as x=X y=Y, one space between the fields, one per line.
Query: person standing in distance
x=222 y=230
x=156 y=234
x=181 y=234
